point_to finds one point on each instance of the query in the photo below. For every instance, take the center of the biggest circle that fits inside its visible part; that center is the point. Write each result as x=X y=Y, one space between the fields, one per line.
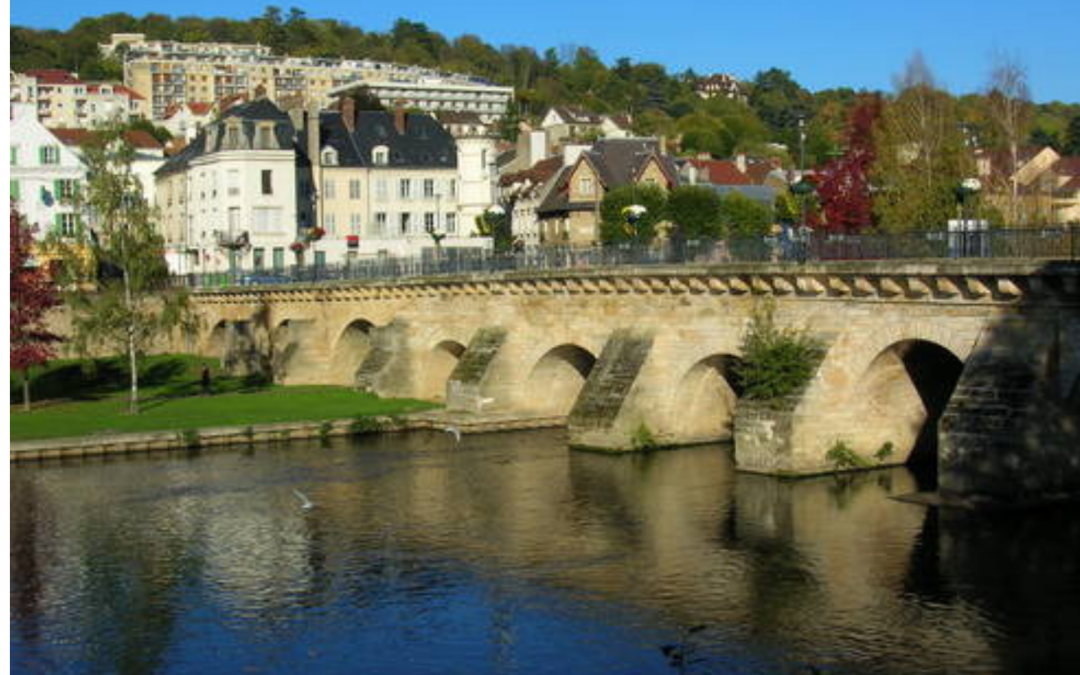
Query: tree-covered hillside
x=660 y=102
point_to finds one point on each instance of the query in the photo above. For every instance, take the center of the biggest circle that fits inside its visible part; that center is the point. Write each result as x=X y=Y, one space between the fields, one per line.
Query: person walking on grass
x=205 y=379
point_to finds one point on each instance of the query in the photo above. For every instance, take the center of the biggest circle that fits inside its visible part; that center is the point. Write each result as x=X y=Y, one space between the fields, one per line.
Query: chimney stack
x=348 y=113
x=312 y=114
x=399 y=119
x=740 y=162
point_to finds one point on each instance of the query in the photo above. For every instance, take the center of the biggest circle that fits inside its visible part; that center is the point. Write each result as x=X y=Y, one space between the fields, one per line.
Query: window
x=585 y=185
x=49 y=154
x=452 y=185
x=429 y=188
x=258 y=258
x=403 y=188
x=320 y=258
x=406 y=222
x=64 y=188
x=329 y=157
x=232 y=138
x=380 y=156
x=279 y=258
x=354 y=223
x=354 y=188
x=232 y=181
x=66 y=222
x=329 y=188
x=380 y=190
x=380 y=224
x=266 y=220
x=451 y=223
x=266 y=136
x=429 y=222
x=267 y=182
x=330 y=223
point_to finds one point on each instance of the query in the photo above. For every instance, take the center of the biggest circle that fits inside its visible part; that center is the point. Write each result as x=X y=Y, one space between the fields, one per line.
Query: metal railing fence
x=1058 y=243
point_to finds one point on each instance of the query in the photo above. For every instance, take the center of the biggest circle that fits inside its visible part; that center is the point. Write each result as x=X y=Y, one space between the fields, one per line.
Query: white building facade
x=45 y=173
x=229 y=199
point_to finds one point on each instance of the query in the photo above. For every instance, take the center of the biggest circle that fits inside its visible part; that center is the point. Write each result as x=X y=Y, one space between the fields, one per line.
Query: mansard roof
x=423 y=143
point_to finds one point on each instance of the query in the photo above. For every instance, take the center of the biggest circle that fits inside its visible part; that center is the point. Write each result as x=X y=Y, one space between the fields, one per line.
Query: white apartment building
x=490 y=102
x=384 y=184
x=63 y=100
x=171 y=73
x=229 y=198
x=44 y=173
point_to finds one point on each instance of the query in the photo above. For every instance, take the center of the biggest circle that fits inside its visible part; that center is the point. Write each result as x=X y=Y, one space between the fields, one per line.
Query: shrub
x=842 y=457
x=884 y=452
x=776 y=361
x=643 y=438
x=189 y=438
x=365 y=424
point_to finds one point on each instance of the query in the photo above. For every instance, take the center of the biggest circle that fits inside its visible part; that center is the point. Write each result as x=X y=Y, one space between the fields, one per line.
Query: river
x=507 y=553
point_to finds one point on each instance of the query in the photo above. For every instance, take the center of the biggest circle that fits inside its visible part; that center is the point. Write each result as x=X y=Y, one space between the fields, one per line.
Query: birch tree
x=114 y=273
x=1009 y=103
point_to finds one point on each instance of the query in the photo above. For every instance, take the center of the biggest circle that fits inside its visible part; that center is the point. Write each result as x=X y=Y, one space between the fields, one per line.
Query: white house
x=230 y=196
x=44 y=173
x=149 y=154
x=186 y=120
x=63 y=100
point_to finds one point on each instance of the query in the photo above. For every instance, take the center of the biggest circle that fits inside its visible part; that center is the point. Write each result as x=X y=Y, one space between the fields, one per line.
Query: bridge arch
x=351 y=346
x=705 y=399
x=439 y=363
x=216 y=339
x=556 y=379
x=901 y=395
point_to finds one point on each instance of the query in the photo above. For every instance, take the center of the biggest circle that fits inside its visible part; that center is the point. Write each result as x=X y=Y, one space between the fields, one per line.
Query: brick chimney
x=348 y=113
x=399 y=119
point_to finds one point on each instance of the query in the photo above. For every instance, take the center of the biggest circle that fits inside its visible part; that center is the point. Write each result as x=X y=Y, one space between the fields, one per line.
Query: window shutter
x=15 y=190
x=41 y=154
x=58 y=191
x=56 y=223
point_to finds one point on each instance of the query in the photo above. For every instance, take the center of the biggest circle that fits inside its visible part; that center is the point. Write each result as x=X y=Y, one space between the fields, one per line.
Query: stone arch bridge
x=982 y=357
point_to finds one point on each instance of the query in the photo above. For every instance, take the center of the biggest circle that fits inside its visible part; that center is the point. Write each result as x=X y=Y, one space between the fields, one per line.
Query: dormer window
x=380 y=155
x=329 y=157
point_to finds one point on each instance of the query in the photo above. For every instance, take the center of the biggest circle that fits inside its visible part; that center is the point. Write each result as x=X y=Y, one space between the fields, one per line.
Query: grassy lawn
x=86 y=398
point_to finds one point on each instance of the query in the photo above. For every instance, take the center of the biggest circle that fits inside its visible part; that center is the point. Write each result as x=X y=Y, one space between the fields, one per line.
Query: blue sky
x=827 y=43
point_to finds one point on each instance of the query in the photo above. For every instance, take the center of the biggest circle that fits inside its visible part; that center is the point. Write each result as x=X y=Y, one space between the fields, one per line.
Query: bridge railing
x=1060 y=243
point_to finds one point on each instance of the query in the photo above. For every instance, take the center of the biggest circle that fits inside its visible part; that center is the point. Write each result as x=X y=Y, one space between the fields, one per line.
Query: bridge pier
x=1011 y=432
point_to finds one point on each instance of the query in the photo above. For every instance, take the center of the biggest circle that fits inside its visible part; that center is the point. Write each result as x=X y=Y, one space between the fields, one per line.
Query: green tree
x=614 y=225
x=1072 y=137
x=744 y=217
x=921 y=155
x=694 y=211
x=119 y=252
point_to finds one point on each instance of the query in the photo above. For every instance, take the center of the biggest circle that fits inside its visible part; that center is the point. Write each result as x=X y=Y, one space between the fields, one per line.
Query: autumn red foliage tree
x=32 y=296
x=844 y=188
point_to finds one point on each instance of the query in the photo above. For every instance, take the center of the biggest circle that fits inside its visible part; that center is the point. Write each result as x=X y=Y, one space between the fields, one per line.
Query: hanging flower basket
x=353 y=241
x=297 y=247
x=315 y=234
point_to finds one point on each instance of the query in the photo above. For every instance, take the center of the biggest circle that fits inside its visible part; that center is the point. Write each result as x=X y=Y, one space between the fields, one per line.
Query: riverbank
x=89 y=399
x=232 y=436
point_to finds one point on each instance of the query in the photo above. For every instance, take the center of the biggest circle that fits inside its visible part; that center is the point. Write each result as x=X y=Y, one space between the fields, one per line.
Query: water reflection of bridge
x=824 y=568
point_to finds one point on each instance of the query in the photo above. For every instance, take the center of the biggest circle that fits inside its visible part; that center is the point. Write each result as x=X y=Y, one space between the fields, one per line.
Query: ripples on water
x=509 y=554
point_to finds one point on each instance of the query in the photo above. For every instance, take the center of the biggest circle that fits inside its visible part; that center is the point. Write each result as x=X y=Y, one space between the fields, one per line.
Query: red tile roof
x=538 y=173
x=137 y=138
x=721 y=172
x=53 y=76
x=1068 y=166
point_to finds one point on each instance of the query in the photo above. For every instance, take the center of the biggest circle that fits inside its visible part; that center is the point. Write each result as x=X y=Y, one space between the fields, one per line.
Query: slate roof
x=424 y=143
x=249 y=114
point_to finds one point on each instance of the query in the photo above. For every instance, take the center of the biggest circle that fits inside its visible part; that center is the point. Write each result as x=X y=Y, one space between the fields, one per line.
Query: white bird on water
x=455 y=432
x=305 y=503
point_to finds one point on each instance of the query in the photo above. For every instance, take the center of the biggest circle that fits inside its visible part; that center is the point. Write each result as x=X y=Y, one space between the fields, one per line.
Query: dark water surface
x=510 y=554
